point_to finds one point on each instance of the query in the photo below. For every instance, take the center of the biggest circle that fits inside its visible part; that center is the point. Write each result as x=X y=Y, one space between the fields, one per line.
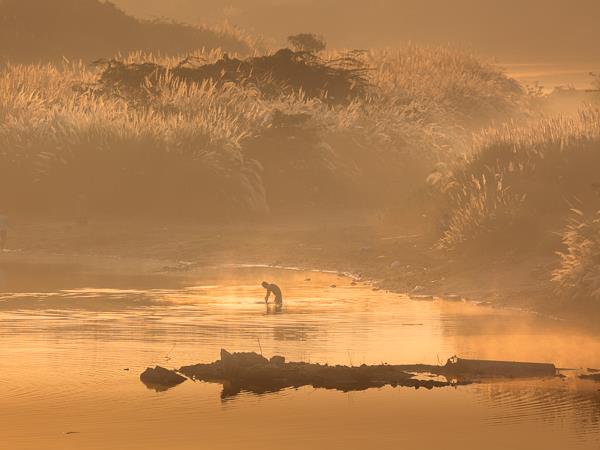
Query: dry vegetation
x=578 y=276
x=217 y=136
x=336 y=80
x=520 y=175
x=517 y=192
x=71 y=141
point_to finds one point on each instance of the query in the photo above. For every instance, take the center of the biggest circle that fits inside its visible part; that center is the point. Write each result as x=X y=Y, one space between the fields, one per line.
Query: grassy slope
x=229 y=149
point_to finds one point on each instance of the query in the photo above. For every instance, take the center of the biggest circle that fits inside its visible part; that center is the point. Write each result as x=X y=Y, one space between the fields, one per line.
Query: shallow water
x=550 y=76
x=65 y=344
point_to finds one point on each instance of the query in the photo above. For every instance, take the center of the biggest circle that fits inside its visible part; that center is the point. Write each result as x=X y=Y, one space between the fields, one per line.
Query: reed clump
x=578 y=276
x=77 y=137
x=521 y=181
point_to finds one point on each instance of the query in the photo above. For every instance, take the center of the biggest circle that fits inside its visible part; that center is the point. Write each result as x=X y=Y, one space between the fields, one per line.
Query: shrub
x=307 y=42
x=285 y=72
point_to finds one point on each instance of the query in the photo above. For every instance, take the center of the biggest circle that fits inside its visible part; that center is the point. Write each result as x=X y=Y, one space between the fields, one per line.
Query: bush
x=337 y=80
x=307 y=42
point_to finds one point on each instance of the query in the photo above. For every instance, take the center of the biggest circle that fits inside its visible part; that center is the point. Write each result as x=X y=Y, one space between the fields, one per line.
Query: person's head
x=265 y=284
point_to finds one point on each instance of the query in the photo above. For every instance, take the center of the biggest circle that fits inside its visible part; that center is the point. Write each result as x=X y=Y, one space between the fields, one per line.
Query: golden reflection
x=89 y=359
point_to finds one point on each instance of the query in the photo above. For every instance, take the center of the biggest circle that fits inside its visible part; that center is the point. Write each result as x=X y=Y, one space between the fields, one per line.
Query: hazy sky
x=527 y=30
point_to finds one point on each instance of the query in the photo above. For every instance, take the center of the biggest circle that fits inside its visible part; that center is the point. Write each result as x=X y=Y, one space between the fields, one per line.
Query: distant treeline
x=48 y=30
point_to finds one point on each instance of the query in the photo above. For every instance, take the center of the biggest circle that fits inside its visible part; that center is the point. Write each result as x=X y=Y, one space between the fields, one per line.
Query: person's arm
x=267 y=296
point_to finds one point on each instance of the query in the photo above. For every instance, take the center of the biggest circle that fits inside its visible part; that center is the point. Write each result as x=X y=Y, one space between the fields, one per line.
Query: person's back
x=275 y=290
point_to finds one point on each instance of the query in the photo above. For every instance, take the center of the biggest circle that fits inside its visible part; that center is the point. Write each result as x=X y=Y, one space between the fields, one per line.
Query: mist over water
x=64 y=367
x=411 y=182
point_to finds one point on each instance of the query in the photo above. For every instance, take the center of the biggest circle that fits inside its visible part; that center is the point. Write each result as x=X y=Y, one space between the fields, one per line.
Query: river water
x=72 y=346
x=549 y=76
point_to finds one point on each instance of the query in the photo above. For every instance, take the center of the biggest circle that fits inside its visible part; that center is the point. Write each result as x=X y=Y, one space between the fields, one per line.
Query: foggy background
x=511 y=30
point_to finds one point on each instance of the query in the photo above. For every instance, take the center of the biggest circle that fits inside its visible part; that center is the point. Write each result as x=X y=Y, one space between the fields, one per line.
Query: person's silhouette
x=275 y=290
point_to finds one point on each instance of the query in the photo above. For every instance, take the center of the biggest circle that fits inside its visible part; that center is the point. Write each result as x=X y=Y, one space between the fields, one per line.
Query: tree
x=307 y=42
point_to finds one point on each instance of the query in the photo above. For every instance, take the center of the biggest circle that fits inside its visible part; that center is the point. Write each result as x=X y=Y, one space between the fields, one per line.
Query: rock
x=161 y=379
x=231 y=360
x=225 y=355
x=395 y=265
x=277 y=360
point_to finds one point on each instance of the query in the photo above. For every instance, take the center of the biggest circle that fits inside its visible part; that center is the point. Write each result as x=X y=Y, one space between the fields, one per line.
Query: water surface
x=73 y=345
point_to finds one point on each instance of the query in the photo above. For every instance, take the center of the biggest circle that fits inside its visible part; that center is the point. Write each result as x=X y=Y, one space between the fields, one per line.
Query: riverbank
x=401 y=261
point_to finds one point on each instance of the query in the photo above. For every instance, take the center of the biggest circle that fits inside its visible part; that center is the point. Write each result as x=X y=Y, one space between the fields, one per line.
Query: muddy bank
x=251 y=372
x=591 y=376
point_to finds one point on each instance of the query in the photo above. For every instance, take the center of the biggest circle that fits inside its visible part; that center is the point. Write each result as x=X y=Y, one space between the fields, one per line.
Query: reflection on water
x=550 y=76
x=71 y=357
x=549 y=402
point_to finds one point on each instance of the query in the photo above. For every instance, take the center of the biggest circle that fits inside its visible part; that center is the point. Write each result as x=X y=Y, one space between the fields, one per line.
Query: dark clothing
x=276 y=291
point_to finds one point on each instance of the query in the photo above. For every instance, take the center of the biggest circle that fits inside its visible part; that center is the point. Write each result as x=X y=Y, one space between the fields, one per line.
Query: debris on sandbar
x=251 y=372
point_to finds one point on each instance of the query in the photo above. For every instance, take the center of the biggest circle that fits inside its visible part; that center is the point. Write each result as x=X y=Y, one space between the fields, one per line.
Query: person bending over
x=275 y=290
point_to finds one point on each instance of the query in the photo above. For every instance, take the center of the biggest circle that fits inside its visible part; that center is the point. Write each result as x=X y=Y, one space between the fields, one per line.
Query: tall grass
x=226 y=149
x=454 y=87
x=57 y=146
x=578 y=275
x=523 y=179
